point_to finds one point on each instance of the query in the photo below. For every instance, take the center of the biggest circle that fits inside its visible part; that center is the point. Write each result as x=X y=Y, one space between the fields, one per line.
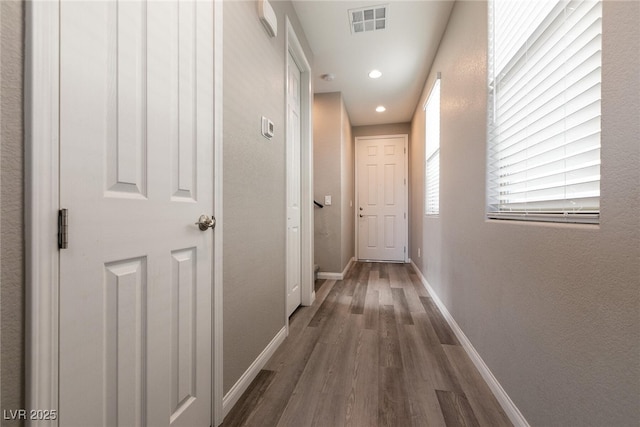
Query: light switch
x=267 y=128
x=327 y=200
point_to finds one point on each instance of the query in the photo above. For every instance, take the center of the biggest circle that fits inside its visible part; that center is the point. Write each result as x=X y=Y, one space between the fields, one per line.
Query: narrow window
x=432 y=151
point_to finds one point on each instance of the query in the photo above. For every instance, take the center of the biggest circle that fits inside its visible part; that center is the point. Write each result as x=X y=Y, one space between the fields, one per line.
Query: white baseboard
x=505 y=401
x=337 y=276
x=231 y=398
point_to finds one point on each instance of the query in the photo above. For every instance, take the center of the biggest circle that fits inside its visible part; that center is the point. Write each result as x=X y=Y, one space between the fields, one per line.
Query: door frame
x=293 y=46
x=406 y=190
x=42 y=184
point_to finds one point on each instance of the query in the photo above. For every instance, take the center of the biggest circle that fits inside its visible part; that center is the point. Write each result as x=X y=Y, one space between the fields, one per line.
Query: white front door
x=136 y=173
x=293 y=186
x=382 y=198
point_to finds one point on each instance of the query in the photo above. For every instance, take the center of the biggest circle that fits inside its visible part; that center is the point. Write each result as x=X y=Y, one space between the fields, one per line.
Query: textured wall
x=552 y=309
x=388 y=129
x=11 y=203
x=347 y=181
x=333 y=170
x=326 y=179
x=254 y=183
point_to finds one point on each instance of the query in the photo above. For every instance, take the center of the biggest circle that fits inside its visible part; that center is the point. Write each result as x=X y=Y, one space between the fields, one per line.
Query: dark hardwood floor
x=373 y=350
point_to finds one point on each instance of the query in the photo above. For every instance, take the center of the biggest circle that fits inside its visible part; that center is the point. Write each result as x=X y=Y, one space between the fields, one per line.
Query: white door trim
x=217 y=354
x=42 y=203
x=306 y=167
x=406 y=189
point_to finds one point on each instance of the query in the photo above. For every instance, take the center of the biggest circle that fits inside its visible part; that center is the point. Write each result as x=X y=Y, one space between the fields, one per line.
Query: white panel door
x=382 y=198
x=293 y=186
x=136 y=172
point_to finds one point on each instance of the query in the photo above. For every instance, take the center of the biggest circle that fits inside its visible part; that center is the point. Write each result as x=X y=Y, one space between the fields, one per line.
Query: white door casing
x=130 y=351
x=293 y=186
x=381 y=182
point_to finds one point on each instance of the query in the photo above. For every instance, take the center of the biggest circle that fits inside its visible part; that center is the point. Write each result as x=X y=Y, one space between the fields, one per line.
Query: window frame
x=552 y=17
x=431 y=150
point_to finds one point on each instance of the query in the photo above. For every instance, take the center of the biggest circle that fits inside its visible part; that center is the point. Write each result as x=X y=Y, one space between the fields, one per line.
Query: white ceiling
x=403 y=52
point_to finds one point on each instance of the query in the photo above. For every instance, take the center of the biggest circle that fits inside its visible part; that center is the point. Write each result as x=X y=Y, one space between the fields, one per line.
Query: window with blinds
x=432 y=151
x=544 y=110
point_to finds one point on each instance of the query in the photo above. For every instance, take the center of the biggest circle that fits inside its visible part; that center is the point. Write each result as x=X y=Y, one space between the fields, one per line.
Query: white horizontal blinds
x=433 y=184
x=544 y=119
x=432 y=151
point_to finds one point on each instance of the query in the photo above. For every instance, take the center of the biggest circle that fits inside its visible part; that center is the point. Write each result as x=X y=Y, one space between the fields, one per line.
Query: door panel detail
x=183 y=315
x=125 y=350
x=126 y=100
x=372 y=222
x=184 y=145
x=372 y=187
x=389 y=231
x=389 y=185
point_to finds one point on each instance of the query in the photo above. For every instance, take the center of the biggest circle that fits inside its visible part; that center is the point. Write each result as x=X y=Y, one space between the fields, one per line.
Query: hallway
x=373 y=350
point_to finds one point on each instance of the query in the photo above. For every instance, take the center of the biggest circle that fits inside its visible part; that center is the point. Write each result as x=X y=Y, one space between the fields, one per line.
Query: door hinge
x=405 y=250
x=63 y=229
x=405 y=215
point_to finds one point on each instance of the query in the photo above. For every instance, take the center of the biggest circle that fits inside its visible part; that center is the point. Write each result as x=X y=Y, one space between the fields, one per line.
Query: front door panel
x=382 y=222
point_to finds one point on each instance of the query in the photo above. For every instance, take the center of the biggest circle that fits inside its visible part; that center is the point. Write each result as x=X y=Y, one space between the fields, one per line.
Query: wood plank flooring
x=373 y=350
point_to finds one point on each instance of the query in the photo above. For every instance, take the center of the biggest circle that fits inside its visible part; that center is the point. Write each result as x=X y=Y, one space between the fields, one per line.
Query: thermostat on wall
x=267 y=128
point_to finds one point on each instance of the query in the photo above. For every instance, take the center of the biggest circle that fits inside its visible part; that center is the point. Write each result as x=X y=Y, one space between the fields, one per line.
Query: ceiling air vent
x=371 y=18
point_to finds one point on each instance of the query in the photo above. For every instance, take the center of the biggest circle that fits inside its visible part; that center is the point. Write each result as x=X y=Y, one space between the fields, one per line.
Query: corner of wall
x=347 y=232
x=327 y=150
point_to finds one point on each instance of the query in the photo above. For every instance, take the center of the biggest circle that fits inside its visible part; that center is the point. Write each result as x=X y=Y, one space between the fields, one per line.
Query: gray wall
x=347 y=183
x=552 y=309
x=326 y=179
x=333 y=170
x=388 y=129
x=11 y=205
x=254 y=183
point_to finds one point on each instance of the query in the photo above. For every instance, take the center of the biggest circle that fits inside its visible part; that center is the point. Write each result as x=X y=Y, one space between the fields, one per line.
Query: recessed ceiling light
x=375 y=74
x=380 y=109
x=328 y=77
